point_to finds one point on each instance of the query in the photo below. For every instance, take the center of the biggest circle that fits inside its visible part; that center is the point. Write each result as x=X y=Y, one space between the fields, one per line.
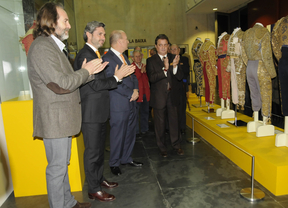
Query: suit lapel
x=61 y=53
x=90 y=50
x=159 y=61
x=116 y=59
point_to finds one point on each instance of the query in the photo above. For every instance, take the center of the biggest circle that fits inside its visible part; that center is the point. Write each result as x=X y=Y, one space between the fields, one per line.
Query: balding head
x=118 y=40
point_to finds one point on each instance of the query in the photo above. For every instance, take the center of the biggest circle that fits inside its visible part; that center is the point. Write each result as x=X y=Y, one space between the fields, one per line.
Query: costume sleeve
x=267 y=55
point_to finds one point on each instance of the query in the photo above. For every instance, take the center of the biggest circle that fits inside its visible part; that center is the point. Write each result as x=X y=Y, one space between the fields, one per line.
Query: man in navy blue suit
x=122 y=106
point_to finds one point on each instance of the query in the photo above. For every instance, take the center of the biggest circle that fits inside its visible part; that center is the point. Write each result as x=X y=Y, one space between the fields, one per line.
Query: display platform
x=27 y=155
x=271 y=162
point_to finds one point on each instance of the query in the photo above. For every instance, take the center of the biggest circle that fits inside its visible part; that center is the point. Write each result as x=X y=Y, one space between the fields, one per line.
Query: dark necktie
x=168 y=76
x=65 y=52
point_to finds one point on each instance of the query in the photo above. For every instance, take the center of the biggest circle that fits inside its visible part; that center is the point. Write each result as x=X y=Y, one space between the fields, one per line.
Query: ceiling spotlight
x=215 y=9
x=16 y=18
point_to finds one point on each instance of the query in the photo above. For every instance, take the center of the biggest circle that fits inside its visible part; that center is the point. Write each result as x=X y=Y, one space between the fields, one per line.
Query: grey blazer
x=56 y=99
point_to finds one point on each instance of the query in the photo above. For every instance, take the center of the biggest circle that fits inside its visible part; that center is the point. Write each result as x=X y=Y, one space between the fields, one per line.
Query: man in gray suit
x=56 y=102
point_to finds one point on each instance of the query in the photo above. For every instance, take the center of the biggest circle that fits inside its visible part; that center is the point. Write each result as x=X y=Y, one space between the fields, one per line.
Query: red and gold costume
x=222 y=63
x=207 y=56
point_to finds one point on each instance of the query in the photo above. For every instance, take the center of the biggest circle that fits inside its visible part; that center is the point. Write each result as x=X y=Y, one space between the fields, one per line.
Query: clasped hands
x=175 y=62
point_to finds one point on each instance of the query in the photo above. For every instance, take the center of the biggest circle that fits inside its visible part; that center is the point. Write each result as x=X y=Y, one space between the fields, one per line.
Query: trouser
x=159 y=124
x=260 y=85
x=58 y=152
x=199 y=77
x=143 y=113
x=122 y=136
x=283 y=77
x=94 y=135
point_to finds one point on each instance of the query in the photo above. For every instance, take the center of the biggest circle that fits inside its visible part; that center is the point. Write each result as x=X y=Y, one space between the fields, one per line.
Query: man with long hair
x=56 y=100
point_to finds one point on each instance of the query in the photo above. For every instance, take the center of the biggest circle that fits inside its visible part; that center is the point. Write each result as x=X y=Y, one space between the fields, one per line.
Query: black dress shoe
x=183 y=131
x=82 y=205
x=179 y=151
x=101 y=196
x=136 y=164
x=108 y=184
x=163 y=154
x=138 y=136
x=116 y=170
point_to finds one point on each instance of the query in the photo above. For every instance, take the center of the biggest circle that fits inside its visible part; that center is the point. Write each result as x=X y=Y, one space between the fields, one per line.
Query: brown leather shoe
x=164 y=154
x=102 y=196
x=82 y=205
x=179 y=151
x=107 y=184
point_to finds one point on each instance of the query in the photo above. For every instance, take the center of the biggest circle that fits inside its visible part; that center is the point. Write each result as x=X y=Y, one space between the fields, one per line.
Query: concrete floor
x=202 y=178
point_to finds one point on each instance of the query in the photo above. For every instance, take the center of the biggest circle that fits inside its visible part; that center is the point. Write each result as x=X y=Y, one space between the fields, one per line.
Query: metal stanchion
x=252 y=194
x=193 y=140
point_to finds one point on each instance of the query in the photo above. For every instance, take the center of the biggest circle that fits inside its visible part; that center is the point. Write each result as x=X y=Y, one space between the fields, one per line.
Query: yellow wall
x=27 y=154
x=139 y=19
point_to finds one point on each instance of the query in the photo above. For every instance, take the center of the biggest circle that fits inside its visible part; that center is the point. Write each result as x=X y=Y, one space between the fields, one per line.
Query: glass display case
x=16 y=21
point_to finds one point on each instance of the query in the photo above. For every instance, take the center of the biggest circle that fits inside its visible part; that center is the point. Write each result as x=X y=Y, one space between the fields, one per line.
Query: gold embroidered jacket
x=207 y=53
x=257 y=46
x=195 y=48
x=279 y=36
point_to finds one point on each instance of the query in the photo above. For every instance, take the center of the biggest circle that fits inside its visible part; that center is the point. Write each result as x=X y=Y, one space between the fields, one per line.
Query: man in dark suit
x=122 y=106
x=95 y=112
x=165 y=77
x=56 y=100
x=185 y=67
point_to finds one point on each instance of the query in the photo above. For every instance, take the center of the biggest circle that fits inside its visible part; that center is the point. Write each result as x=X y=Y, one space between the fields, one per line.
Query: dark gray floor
x=202 y=178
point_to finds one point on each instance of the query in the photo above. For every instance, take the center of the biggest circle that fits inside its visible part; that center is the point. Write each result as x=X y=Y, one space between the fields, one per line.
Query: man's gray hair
x=91 y=27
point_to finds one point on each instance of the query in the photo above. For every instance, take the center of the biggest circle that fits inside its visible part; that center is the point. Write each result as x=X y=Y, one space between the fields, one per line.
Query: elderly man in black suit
x=95 y=111
x=185 y=67
x=165 y=76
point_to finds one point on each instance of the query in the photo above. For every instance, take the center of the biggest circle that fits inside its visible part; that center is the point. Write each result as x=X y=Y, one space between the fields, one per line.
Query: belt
x=222 y=56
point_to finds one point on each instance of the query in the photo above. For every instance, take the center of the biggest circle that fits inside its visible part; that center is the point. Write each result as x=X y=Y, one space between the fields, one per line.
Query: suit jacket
x=120 y=97
x=94 y=95
x=185 y=67
x=158 y=80
x=143 y=84
x=56 y=99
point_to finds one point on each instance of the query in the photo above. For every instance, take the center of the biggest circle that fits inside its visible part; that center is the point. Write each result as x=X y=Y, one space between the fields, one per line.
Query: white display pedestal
x=219 y=110
x=282 y=139
x=259 y=127
x=253 y=125
x=265 y=130
x=227 y=113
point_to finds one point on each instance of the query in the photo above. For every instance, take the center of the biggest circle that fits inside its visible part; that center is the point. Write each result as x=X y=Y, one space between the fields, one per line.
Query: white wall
x=12 y=81
x=6 y=186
